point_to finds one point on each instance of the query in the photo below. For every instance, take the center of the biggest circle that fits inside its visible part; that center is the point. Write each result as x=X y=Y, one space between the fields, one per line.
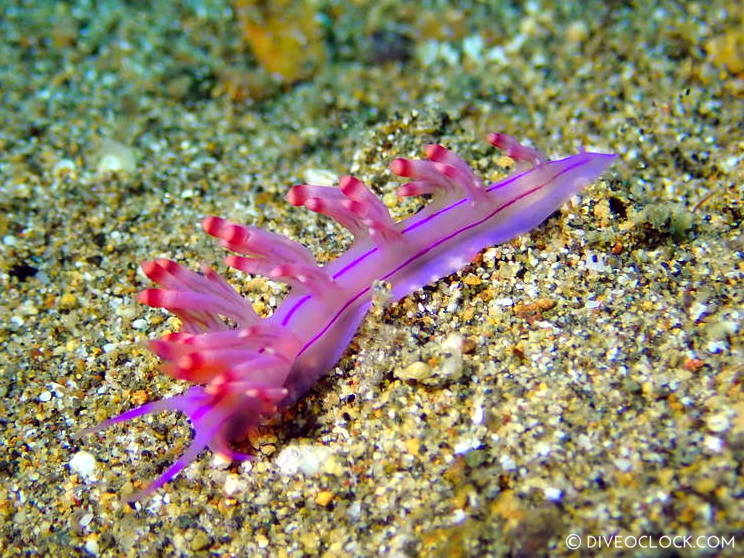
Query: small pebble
x=84 y=464
x=200 y=541
x=306 y=459
x=324 y=498
x=553 y=494
x=116 y=157
x=718 y=422
x=416 y=371
x=234 y=484
x=91 y=546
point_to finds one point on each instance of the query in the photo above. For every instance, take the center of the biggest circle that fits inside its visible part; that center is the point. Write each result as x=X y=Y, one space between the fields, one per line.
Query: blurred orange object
x=284 y=36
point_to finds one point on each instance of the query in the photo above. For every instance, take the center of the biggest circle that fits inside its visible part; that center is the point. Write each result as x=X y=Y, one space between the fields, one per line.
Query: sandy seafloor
x=594 y=388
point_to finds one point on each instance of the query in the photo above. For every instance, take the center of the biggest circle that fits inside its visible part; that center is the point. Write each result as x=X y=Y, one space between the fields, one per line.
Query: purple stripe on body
x=450 y=207
x=429 y=248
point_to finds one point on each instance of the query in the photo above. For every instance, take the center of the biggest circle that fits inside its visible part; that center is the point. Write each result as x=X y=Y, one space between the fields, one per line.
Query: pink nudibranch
x=246 y=372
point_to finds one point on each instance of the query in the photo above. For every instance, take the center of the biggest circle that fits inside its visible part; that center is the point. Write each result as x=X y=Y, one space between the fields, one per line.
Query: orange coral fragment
x=283 y=35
